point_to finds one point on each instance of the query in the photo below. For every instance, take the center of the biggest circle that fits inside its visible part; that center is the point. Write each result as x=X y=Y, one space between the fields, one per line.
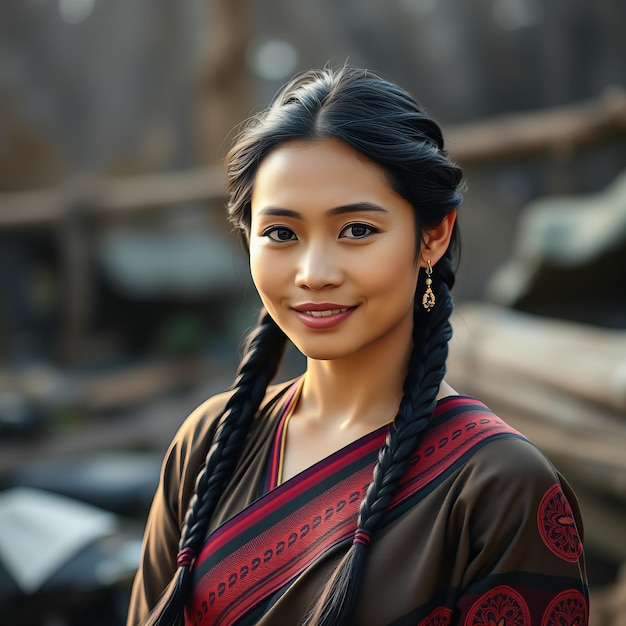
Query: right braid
x=431 y=334
x=263 y=351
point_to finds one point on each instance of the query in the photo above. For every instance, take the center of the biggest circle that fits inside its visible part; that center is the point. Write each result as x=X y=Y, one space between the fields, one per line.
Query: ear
x=435 y=242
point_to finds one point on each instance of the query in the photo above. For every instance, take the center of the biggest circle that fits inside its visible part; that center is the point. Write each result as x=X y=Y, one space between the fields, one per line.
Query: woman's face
x=332 y=250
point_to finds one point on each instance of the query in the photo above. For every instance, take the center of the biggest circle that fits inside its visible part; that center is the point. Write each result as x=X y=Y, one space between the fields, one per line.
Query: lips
x=326 y=312
x=325 y=308
x=322 y=315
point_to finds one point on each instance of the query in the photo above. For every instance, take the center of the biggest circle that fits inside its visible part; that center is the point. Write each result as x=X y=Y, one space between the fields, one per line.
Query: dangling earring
x=428 y=300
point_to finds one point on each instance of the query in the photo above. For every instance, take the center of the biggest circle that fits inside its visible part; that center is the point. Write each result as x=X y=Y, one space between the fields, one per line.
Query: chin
x=323 y=353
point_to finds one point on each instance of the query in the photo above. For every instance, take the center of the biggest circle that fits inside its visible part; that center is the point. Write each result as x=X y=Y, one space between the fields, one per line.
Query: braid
x=431 y=333
x=263 y=352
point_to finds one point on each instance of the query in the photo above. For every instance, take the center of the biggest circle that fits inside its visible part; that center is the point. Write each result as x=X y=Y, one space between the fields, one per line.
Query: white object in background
x=40 y=531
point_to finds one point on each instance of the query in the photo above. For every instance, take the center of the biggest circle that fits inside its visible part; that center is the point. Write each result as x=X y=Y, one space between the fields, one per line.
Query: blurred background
x=124 y=294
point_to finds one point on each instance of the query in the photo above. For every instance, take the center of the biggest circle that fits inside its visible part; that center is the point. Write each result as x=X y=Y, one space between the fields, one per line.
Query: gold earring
x=428 y=300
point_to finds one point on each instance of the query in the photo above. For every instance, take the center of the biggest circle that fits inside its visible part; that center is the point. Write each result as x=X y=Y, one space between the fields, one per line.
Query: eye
x=279 y=233
x=357 y=231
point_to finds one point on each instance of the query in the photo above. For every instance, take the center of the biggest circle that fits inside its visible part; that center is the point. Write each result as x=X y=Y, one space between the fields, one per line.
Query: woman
x=367 y=491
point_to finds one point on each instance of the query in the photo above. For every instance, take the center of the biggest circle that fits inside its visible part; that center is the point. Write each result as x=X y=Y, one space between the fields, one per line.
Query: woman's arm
x=522 y=532
x=182 y=462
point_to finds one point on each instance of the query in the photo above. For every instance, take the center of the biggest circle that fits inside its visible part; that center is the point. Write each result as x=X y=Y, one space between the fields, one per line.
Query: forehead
x=326 y=172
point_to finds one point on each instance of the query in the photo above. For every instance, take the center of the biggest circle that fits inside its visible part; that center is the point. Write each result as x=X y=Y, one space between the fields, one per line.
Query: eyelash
x=273 y=230
x=370 y=230
x=268 y=232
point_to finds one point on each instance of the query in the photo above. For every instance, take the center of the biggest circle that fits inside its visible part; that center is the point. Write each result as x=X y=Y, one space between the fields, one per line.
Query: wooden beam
x=559 y=132
x=111 y=196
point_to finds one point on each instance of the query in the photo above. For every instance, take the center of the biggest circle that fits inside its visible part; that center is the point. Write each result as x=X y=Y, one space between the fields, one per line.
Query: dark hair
x=386 y=125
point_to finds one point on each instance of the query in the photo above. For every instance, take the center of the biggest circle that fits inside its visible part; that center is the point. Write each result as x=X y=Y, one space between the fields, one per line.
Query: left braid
x=258 y=366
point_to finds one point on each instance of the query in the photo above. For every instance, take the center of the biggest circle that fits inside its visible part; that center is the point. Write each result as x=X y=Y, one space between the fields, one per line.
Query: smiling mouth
x=326 y=313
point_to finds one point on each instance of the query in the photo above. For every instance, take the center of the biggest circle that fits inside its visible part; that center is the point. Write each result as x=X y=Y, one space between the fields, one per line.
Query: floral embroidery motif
x=501 y=606
x=557 y=527
x=569 y=608
x=439 y=617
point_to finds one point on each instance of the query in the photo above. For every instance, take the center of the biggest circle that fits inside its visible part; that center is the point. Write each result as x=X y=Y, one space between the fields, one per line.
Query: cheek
x=255 y=257
x=256 y=268
x=394 y=272
x=265 y=269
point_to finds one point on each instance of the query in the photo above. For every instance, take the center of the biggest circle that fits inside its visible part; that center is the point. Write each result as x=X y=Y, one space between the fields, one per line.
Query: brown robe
x=483 y=529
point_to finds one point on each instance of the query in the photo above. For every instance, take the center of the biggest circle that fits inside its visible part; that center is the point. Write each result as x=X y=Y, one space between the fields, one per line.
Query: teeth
x=326 y=313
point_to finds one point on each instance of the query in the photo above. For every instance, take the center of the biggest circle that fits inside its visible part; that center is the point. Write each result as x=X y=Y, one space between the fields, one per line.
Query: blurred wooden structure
x=563 y=385
x=558 y=132
x=71 y=210
x=225 y=88
x=109 y=197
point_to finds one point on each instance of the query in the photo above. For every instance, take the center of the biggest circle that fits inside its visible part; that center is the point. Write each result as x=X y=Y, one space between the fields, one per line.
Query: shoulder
x=511 y=509
x=513 y=463
x=498 y=451
x=189 y=448
x=197 y=431
x=494 y=460
x=506 y=477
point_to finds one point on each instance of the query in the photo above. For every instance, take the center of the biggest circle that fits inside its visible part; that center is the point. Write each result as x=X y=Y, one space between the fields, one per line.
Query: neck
x=360 y=391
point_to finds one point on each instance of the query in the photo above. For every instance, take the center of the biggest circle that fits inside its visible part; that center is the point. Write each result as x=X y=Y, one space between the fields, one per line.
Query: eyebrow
x=357 y=207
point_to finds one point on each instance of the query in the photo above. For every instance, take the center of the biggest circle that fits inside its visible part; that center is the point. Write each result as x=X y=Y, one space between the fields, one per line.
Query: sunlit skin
x=334 y=257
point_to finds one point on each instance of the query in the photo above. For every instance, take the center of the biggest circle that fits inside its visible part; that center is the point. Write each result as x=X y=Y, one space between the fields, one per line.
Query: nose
x=318 y=267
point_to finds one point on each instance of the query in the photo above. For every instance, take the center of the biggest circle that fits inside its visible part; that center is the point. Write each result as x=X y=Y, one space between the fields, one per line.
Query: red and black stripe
x=271 y=542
